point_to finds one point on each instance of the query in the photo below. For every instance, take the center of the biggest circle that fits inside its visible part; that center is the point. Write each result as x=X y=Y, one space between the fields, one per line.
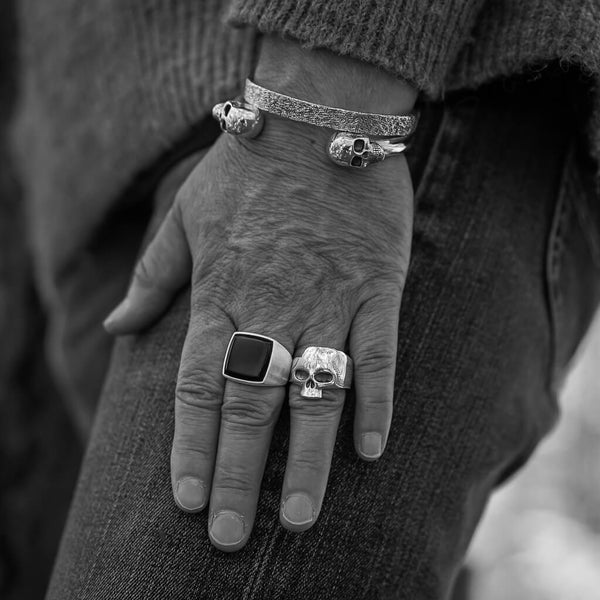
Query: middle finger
x=248 y=417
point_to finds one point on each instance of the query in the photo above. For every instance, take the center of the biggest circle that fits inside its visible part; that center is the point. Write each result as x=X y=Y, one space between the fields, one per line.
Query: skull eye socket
x=226 y=109
x=301 y=374
x=359 y=145
x=356 y=161
x=324 y=376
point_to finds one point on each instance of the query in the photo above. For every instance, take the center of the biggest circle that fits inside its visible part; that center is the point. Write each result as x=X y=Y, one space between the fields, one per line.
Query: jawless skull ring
x=320 y=368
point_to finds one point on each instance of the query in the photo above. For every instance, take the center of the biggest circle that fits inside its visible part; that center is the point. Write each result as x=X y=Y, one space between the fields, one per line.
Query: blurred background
x=539 y=539
x=540 y=536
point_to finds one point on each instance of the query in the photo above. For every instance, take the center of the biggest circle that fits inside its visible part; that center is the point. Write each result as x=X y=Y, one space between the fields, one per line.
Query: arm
x=277 y=240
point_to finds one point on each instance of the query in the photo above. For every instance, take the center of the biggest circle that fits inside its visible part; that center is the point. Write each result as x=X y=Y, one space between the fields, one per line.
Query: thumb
x=163 y=269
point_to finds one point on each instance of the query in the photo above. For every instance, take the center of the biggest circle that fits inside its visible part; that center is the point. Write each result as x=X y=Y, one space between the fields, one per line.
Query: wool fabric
x=108 y=87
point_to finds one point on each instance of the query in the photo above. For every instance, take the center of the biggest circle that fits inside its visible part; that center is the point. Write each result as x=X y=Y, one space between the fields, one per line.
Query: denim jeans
x=504 y=279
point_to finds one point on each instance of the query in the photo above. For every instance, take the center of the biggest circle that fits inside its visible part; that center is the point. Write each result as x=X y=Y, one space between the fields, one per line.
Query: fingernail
x=298 y=509
x=370 y=444
x=116 y=314
x=190 y=493
x=227 y=528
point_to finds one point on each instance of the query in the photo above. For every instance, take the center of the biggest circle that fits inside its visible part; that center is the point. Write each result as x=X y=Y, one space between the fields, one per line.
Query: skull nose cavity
x=226 y=108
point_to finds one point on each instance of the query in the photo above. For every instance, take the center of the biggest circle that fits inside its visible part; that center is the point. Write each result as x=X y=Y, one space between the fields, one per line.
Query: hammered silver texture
x=329 y=116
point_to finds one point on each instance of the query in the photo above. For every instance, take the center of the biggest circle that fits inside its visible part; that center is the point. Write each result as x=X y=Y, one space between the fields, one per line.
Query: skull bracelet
x=361 y=139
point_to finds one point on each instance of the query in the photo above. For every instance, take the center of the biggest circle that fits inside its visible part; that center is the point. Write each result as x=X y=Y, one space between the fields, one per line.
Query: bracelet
x=328 y=116
x=361 y=138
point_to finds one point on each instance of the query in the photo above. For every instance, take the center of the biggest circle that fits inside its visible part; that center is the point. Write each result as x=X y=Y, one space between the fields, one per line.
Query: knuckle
x=248 y=411
x=376 y=403
x=235 y=481
x=308 y=459
x=384 y=290
x=375 y=362
x=204 y=394
x=143 y=272
x=188 y=449
x=330 y=405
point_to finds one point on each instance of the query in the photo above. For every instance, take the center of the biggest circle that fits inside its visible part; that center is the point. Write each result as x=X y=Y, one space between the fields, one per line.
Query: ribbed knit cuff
x=416 y=40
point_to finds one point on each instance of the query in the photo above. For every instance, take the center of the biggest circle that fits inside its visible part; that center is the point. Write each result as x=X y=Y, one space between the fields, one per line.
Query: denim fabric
x=503 y=281
x=96 y=278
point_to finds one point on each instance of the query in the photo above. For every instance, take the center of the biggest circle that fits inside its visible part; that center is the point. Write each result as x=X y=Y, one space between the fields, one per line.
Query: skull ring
x=319 y=368
x=239 y=118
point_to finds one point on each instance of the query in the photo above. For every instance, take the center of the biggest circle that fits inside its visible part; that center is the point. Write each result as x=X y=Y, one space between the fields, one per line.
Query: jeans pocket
x=573 y=259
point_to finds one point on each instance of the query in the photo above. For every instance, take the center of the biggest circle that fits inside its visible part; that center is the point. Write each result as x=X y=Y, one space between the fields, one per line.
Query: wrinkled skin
x=278 y=241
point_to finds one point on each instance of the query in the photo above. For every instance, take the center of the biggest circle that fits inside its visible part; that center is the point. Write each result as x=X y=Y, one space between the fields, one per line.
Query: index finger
x=198 y=399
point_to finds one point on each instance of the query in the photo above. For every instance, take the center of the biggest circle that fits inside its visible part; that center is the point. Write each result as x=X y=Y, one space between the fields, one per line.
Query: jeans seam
x=429 y=165
x=260 y=567
x=93 y=567
x=585 y=220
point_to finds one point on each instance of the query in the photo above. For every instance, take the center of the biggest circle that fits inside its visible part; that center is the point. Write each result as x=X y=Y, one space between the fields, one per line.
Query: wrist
x=325 y=78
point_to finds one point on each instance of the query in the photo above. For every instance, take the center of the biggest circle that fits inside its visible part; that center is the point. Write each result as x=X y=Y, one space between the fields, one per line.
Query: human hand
x=276 y=240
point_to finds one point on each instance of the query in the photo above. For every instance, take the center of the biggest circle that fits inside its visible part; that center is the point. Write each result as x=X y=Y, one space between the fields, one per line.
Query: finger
x=248 y=417
x=198 y=399
x=373 y=346
x=313 y=429
x=163 y=269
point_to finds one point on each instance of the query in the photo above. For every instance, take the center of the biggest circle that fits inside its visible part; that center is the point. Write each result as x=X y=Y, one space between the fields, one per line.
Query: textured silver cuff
x=399 y=126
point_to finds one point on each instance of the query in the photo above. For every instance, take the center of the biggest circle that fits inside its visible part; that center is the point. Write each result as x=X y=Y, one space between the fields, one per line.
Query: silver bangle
x=361 y=139
x=400 y=126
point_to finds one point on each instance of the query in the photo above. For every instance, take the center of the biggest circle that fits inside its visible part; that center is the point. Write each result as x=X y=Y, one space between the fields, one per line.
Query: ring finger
x=313 y=429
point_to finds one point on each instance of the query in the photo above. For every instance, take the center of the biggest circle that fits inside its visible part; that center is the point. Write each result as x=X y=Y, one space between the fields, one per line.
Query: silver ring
x=350 y=150
x=255 y=359
x=320 y=368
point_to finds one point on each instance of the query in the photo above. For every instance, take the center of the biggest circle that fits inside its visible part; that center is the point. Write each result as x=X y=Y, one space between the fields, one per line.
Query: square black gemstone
x=248 y=357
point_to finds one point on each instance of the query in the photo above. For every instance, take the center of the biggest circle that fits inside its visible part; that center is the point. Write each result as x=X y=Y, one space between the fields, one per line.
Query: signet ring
x=254 y=359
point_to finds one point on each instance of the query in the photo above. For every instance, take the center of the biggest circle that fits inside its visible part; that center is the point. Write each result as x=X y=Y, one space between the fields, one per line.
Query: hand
x=278 y=241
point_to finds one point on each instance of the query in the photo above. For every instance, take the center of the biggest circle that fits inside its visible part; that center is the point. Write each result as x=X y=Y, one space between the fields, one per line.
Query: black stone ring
x=256 y=360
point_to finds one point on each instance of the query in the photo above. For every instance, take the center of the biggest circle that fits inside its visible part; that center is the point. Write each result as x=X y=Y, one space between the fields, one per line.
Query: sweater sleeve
x=416 y=40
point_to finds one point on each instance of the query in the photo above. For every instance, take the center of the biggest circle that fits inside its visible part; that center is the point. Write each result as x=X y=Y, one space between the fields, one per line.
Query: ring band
x=320 y=368
x=255 y=359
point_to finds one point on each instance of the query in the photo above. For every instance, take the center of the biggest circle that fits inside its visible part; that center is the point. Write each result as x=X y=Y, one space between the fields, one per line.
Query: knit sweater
x=108 y=87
